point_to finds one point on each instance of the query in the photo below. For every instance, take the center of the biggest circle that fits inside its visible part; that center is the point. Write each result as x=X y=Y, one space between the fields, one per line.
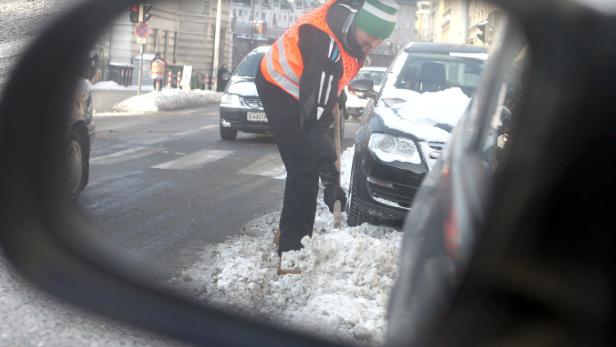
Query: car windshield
x=375 y=76
x=429 y=72
x=249 y=65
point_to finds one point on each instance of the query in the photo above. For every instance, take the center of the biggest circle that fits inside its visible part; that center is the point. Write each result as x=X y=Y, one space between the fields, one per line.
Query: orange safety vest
x=283 y=65
x=158 y=68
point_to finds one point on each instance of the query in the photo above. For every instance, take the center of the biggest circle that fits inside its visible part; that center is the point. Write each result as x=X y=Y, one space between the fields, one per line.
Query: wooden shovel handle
x=337 y=204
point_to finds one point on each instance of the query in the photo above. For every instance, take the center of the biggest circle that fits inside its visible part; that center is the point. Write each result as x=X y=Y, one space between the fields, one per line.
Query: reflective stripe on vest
x=283 y=65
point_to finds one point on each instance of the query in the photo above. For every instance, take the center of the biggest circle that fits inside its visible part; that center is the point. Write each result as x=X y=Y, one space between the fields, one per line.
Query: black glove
x=332 y=194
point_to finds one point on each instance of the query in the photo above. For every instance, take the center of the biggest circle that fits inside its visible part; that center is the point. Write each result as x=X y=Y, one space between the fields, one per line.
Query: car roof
x=432 y=47
x=374 y=68
x=261 y=49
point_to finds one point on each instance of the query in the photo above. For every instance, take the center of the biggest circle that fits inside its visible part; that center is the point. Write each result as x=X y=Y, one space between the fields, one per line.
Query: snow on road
x=342 y=292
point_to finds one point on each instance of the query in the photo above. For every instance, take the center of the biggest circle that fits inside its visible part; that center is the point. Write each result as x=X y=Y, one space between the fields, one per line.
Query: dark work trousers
x=302 y=165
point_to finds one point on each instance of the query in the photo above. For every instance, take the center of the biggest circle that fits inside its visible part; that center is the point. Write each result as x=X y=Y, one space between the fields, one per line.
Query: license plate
x=256 y=117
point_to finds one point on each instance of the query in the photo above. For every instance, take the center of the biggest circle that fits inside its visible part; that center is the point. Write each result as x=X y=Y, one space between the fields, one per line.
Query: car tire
x=355 y=216
x=228 y=134
x=75 y=163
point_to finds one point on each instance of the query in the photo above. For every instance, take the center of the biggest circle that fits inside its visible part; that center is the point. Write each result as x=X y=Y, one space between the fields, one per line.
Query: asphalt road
x=163 y=186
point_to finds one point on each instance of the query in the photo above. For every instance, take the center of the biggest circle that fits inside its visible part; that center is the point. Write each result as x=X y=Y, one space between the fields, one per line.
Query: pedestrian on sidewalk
x=157 y=70
x=222 y=78
x=299 y=82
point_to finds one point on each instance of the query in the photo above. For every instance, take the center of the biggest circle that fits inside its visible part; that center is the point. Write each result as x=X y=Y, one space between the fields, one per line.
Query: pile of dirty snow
x=341 y=294
x=167 y=100
x=343 y=290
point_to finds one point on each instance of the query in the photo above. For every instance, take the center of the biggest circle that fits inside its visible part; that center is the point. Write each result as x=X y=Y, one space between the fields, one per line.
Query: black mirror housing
x=362 y=87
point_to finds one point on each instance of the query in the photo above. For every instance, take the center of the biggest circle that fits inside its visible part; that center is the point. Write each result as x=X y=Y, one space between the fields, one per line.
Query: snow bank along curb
x=167 y=100
x=341 y=294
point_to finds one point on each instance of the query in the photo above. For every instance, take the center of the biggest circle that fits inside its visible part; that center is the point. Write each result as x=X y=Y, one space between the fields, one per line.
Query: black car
x=403 y=131
x=80 y=138
x=240 y=106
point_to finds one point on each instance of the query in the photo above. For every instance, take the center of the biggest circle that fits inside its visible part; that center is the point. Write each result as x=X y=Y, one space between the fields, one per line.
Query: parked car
x=240 y=106
x=80 y=138
x=403 y=131
x=356 y=103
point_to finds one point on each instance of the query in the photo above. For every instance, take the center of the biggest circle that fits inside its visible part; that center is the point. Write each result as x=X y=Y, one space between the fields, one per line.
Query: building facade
x=182 y=31
x=458 y=21
x=424 y=22
x=261 y=22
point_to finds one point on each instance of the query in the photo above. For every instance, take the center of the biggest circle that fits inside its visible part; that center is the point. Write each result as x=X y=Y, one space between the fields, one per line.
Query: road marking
x=269 y=165
x=194 y=160
x=125 y=155
x=194 y=131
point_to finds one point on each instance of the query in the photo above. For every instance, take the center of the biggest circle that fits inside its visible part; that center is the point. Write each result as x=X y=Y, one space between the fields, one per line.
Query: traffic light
x=140 y=13
x=146 y=12
x=134 y=14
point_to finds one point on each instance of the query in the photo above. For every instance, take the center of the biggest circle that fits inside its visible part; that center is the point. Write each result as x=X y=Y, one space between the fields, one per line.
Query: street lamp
x=216 y=44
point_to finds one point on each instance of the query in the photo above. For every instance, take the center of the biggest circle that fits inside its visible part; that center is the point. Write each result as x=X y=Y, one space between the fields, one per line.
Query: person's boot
x=287 y=269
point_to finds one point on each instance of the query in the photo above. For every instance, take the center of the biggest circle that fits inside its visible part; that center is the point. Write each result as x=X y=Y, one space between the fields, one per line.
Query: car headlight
x=391 y=148
x=231 y=100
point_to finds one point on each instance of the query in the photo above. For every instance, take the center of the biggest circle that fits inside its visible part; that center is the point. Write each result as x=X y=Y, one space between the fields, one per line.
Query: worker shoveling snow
x=343 y=289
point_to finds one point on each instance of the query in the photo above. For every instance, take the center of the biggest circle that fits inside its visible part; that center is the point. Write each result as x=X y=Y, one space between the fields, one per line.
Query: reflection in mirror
x=173 y=162
x=362 y=87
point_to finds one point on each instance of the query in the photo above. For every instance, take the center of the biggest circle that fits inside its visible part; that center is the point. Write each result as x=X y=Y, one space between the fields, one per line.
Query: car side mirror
x=364 y=88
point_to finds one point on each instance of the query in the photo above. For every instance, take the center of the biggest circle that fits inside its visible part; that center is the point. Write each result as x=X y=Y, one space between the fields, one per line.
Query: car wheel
x=75 y=167
x=354 y=214
x=227 y=133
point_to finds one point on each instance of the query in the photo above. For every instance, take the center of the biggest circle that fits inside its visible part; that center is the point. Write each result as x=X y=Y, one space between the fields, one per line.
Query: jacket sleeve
x=318 y=89
x=318 y=96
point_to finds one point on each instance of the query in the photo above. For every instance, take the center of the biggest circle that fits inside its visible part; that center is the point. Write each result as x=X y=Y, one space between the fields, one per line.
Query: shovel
x=337 y=204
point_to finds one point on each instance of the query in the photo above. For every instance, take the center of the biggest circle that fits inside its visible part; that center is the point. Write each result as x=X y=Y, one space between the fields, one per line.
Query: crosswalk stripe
x=194 y=131
x=194 y=160
x=269 y=165
x=125 y=155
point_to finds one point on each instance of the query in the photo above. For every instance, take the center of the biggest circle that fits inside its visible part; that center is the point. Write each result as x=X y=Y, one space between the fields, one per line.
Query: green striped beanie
x=377 y=17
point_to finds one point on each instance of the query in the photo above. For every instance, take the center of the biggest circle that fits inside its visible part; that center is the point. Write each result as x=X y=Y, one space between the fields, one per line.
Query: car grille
x=253 y=102
x=437 y=145
x=398 y=194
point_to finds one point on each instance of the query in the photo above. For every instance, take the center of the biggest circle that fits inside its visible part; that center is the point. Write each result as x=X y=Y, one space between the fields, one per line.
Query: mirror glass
x=172 y=161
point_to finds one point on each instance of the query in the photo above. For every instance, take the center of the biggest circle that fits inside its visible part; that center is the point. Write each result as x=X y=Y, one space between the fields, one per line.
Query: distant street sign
x=142 y=31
